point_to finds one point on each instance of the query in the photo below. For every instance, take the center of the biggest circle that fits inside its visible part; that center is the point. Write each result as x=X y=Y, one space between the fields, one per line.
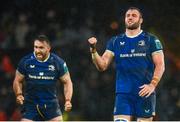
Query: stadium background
x=69 y=23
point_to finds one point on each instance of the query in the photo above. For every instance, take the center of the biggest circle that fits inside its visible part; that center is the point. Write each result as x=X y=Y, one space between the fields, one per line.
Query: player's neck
x=133 y=33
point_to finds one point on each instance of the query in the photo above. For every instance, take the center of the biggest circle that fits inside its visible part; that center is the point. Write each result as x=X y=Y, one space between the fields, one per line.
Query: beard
x=133 y=26
x=40 y=56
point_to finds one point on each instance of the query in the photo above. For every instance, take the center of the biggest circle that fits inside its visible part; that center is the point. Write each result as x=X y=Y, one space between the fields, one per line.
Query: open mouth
x=39 y=55
x=130 y=22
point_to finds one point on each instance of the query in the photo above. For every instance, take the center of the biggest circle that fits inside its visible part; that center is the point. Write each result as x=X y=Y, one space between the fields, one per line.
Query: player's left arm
x=158 y=60
x=68 y=90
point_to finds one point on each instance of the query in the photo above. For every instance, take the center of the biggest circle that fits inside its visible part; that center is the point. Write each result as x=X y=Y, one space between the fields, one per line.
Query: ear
x=49 y=48
x=141 y=20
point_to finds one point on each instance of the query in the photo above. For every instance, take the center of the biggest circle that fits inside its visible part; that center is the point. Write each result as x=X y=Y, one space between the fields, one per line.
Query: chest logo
x=132 y=50
x=32 y=66
x=41 y=73
x=51 y=67
x=141 y=43
x=122 y=43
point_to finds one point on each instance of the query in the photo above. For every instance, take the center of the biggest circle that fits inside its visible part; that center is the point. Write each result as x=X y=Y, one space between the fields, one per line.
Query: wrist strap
x=93 y=48
x=155 y=81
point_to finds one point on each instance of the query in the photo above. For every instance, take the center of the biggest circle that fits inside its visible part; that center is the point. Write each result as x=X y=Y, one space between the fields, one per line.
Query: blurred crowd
x=69 y=24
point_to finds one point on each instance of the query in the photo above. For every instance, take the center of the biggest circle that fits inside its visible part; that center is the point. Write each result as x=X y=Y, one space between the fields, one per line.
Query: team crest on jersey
x=51 y=67
x=122 y=43
x=141 y=43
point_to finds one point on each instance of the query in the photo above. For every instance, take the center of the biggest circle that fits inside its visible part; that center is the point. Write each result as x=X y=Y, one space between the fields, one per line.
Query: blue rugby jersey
x=41 y=77
x=133 y=57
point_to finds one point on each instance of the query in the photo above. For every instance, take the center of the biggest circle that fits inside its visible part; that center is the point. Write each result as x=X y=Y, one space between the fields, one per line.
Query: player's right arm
x=17 y=87
x=101 y=62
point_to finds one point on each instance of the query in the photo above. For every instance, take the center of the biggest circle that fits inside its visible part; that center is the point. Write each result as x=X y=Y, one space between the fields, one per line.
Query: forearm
x=158 y=72
x=17 y=87
x=68 y=90
x=99 y=61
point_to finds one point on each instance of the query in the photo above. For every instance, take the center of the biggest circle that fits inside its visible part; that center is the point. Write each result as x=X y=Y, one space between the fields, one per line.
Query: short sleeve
x=155 y=45
x=62 y=68
x=110 y=44
x=21 y=67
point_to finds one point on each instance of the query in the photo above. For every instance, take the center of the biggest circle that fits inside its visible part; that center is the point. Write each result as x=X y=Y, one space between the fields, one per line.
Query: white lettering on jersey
x=41 y=73
x=41 y=77
x=133 y=55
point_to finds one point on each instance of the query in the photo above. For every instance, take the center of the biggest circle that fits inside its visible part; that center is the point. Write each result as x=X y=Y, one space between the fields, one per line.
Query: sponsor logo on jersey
x=41 y=77
x=133 y=55
x=158 y=44
x=147 y=110
x=122 y=43
x=132 y=50
x=32 y=66
x=65 y=67
x=119 y=119
x=41 y=73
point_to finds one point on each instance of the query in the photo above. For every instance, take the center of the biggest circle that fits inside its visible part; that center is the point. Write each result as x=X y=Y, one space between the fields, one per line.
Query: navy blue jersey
x=41 y=77
x=133 y=57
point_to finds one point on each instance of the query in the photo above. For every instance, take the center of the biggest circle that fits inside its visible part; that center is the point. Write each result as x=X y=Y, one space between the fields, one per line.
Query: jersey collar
x=134 y=35
x=39 y=60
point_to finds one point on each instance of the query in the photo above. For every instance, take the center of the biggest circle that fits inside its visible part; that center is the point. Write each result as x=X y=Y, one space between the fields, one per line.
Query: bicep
x=158 y=58
x=65 y=78
x=108 y=56
x=18 y=77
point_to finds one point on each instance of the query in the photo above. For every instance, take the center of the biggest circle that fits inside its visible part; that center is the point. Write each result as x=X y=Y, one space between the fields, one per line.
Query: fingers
x=146 y=90
x=143 y=92
x=68 y=106
x=142 y=86
x=148 y=94
x=92 y=40
x=20 y=99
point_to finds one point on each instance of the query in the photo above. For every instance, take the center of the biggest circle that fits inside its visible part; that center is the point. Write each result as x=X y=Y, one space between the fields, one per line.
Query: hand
x=68 y=106
x=20 y=99
x=146 y=90
x=92 y=41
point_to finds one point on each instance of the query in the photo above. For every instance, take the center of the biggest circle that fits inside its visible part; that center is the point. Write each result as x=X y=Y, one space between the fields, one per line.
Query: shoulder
x=27 y=57
x=149 y=36
x=56 y=58
x=121 y=35
x=113 y=39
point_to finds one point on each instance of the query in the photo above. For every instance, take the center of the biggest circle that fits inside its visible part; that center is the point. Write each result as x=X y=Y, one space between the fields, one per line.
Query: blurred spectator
x=21 y=30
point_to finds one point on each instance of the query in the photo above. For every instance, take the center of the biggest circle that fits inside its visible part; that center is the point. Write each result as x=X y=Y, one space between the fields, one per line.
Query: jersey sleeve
x=155 y=45
x=110 y=44
x=21 y=67
x=62 y=68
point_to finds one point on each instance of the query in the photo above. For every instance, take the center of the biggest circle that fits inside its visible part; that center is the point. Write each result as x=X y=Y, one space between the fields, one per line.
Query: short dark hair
x=135 y=8
x=43 y=38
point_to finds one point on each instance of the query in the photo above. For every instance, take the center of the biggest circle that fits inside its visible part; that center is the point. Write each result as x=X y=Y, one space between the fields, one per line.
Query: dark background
x=68 y=24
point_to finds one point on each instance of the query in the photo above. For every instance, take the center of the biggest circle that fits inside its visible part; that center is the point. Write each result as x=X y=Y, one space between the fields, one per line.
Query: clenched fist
x=68 y=106
x=92 y=41
x=20 y=99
